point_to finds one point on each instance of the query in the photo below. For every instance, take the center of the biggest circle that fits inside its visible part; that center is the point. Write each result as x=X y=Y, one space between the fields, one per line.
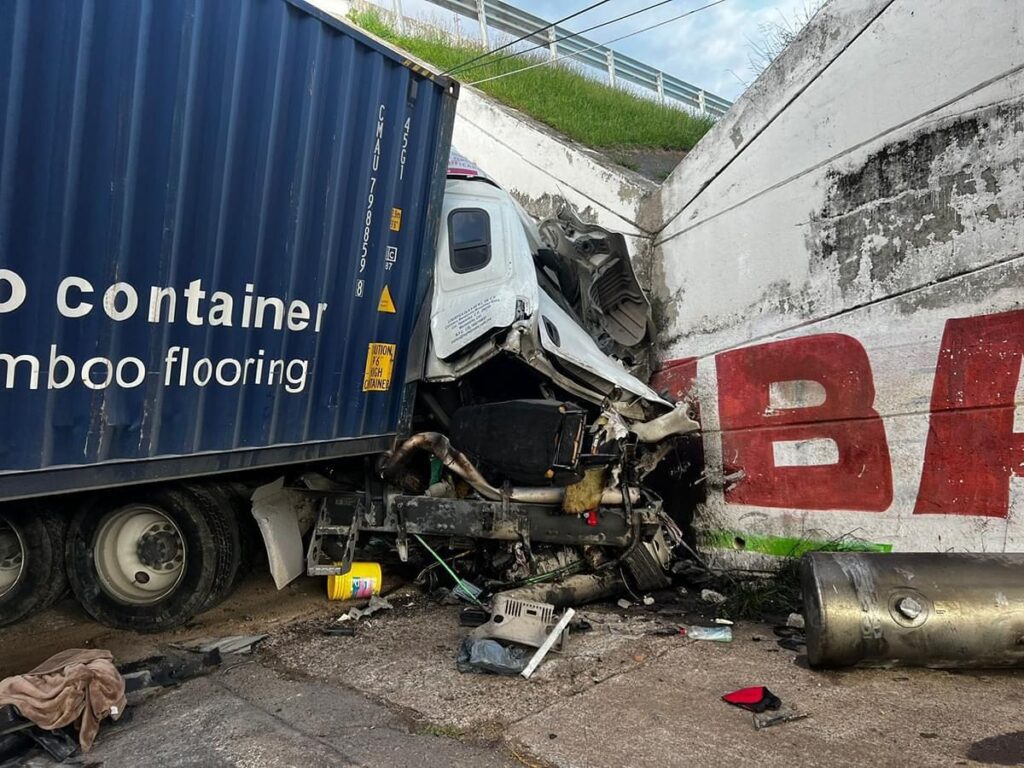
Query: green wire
x=451 y=573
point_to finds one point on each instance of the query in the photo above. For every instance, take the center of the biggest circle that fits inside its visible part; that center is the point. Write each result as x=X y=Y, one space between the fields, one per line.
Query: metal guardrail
x=514 y=21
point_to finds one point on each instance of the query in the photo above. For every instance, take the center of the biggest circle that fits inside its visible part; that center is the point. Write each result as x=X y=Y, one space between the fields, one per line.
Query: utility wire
x=526 y=36
x=597 y=45
x=565 y=37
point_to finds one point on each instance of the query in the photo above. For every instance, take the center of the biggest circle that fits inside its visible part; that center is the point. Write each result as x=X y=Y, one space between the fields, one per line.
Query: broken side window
x=469 y=239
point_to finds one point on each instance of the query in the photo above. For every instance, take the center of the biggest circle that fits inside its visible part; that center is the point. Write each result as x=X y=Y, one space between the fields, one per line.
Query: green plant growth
x=777 y=593
x=559 y=96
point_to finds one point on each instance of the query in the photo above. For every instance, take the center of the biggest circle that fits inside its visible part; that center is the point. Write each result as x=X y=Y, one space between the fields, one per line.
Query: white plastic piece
x=553 y=638
x=675 y=422
x=278 y=511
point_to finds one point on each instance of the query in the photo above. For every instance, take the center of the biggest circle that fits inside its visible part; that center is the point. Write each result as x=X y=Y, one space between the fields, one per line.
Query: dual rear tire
x=155 y=561
x=31 y=561
x=146 y=560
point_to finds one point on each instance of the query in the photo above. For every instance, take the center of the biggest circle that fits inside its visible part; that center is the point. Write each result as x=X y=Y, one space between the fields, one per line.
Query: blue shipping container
x=217 y=220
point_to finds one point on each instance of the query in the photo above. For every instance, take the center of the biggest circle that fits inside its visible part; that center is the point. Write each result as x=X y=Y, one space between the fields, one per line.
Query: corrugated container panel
x=250 y=175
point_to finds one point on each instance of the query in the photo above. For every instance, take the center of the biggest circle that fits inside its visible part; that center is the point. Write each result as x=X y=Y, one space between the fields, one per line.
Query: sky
x=710 y=49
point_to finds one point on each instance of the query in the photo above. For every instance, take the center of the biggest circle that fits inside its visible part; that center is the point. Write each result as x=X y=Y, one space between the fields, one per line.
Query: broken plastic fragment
x=556 y=633
x=375 y=604
x=225 y=645
x=756 y=698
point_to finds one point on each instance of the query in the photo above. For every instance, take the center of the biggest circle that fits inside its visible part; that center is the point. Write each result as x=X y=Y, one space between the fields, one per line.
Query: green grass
x=577 y=106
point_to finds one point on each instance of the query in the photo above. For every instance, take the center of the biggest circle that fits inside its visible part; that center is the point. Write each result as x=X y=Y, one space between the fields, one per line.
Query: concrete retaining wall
x=839 y=271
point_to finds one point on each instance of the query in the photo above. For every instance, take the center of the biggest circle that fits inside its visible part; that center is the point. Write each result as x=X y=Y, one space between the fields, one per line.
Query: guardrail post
x=611 y=68
x=553 y=43
x=481 y=16
x=661 y=86
x=701 y=104
x=396 y=7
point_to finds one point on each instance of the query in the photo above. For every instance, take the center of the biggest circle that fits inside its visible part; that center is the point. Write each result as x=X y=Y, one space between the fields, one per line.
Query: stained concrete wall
x=839 y=273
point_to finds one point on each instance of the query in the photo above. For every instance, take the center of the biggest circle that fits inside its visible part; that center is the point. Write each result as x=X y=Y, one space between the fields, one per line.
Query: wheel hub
x=12 y=557
x=139 y=554
x=159 y=548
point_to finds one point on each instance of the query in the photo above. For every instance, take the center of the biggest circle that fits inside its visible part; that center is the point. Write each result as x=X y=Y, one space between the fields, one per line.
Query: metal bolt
x=909 y=608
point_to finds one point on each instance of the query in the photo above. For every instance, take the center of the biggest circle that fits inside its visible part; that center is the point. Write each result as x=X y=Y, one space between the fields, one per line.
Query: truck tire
x=221 y=514
x=31 y=562
x=149 y=563
x=250 y=538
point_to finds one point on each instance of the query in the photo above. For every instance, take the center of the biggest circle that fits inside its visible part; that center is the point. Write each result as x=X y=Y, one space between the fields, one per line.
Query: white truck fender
x=283 y=516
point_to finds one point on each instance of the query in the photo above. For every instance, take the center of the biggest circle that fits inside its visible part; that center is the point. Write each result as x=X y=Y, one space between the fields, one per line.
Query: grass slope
x=584 y=110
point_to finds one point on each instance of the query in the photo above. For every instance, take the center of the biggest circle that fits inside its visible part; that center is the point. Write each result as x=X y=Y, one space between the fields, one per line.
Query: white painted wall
x=869 y=184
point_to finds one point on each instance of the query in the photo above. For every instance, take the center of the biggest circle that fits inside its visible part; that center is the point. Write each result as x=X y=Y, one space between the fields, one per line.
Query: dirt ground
x=619 y=696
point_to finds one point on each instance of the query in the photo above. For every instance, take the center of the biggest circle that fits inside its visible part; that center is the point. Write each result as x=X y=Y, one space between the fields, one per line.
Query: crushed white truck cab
x=531 y=438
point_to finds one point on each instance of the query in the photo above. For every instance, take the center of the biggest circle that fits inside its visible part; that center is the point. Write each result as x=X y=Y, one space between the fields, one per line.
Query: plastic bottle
x=715 y=634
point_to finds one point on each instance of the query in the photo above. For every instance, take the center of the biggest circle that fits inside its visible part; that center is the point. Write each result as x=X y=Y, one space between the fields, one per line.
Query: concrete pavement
x=619 y=697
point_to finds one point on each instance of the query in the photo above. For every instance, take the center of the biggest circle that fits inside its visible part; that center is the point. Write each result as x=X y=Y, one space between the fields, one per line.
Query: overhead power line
x=565 y=37
x=598 y=45
x=526 y=37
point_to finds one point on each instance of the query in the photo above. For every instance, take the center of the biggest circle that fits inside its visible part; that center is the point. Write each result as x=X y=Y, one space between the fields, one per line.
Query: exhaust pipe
x=922 y=609
x=459 y=463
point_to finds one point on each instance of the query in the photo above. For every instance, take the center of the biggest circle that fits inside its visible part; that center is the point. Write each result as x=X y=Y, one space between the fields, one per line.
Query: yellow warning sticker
x=396 y=219
x=386 y=303
x=380 y=363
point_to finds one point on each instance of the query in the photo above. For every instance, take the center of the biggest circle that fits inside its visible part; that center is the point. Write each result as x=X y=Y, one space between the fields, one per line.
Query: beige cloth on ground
x=74 y=686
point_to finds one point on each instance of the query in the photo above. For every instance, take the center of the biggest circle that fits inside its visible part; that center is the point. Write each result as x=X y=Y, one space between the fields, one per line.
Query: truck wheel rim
x=139 y=554
x=12 y=557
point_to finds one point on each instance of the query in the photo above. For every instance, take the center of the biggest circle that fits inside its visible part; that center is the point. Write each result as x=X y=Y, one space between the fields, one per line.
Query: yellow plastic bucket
x=362 y=581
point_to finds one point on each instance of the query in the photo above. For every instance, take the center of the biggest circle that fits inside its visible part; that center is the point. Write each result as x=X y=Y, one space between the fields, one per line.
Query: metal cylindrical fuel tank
x=913 y=609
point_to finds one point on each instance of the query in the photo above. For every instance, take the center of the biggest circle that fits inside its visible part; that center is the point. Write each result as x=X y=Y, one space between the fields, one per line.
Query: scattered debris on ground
x=557 y=634
x=234 y=644
x=373 y=606
x=784 y=715
x=711 y=596
x=145 y=677
x=768 y=708
x=714 y=634
x=57 y=708
x=755 y=698
x=485 y=655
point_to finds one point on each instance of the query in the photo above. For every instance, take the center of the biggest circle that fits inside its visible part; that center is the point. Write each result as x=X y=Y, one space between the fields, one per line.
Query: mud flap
x=283 y=516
